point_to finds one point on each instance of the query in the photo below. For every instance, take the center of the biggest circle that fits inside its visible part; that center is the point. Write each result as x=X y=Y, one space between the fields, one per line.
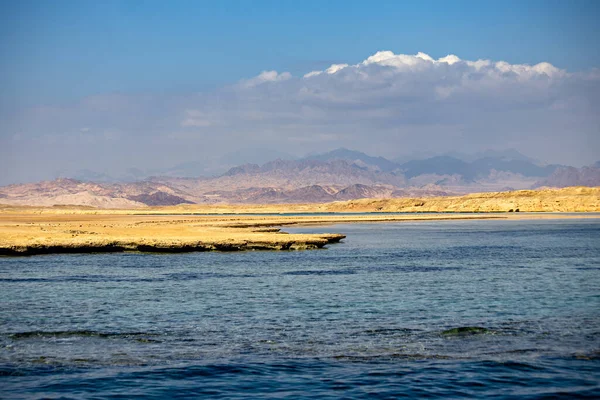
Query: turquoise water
x=373 y=316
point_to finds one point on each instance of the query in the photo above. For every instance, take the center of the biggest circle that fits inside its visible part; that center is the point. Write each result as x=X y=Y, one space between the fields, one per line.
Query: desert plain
x=75 y=229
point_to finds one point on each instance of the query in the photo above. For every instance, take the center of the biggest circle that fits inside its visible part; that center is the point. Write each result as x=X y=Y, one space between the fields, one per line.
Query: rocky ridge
x=335 y=176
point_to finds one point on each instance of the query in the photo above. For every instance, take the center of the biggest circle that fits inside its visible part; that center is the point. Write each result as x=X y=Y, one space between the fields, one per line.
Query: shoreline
x=27 y=233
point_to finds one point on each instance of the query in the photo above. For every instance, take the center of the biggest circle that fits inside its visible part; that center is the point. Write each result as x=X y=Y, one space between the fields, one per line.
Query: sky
x=114 y=85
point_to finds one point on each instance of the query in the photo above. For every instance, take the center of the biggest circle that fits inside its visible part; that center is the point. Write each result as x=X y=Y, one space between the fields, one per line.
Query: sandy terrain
x=573 y=199
x=39 y=230
x=26 y=233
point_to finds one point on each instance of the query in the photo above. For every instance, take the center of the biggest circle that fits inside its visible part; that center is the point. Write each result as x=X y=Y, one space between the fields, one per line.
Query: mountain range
x=337 y=175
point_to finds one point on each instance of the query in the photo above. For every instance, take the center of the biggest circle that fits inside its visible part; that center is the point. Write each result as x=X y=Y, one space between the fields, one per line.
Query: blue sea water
x=372 y=317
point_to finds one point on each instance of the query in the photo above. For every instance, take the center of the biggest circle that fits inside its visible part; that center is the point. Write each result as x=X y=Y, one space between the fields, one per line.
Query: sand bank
x=29 y=231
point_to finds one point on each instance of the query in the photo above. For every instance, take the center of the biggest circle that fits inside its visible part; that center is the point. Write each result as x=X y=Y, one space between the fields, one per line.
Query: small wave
x=321 y=272
x=186 y=276
x=86 y=278
x=513 y=352
x=140 y=336
x=391 y=356
x=413 y=268
x=512 y=365
x=389 y=331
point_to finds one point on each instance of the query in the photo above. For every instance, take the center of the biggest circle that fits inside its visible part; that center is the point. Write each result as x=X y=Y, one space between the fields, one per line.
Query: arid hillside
x=572 y=199
x=340 y=175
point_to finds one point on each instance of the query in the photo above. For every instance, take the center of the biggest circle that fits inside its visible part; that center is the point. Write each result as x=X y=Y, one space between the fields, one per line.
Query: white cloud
x=421 y=62
x=331 y=70
x=335 y=68
x=449 y=59
x=424 y=56
x=387 y=104
x=313 y=73
x=266 y=76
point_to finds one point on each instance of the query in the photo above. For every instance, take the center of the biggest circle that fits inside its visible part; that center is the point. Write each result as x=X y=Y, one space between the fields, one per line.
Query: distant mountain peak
x=571 y=176
x=510 y=154
x=243 y=169
x=343 y=153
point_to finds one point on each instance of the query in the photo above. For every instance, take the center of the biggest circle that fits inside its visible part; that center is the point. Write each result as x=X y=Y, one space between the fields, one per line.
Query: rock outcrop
x=570 y=176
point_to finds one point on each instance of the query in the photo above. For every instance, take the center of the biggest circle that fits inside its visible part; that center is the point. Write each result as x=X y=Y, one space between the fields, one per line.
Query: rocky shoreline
x=169 y=247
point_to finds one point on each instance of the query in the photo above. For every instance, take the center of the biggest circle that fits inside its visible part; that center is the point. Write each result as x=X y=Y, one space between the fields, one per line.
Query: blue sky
x=109 y=85
x=61 y=50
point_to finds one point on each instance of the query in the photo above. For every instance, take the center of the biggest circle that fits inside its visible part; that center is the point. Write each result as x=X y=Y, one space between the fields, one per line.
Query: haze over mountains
x=340 y=174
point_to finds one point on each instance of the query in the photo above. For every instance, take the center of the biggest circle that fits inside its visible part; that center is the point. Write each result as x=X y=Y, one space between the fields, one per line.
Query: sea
x=442 y=309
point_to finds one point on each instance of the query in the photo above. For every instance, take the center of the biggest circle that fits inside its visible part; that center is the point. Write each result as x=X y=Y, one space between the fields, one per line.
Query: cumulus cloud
x=331 y=70
x=266 y=76
x=388 y=104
